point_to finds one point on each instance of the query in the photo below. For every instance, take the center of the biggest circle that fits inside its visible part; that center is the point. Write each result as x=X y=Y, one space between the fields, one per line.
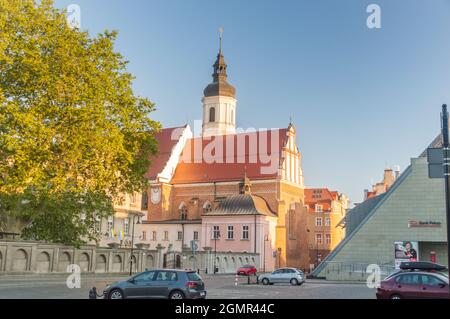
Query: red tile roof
x=165 y=145
x=196 y=169
x=321 y=196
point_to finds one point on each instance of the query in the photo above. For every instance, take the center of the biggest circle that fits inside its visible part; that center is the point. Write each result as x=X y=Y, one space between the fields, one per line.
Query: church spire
x=219 y=100
x=219 y=85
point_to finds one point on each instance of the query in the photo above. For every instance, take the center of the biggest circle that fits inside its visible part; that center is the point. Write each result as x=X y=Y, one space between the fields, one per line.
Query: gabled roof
x=231 y=162
x=243 y=204
x=321 y=196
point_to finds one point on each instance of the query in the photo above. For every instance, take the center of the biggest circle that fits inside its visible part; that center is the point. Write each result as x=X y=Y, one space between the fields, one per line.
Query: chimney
x=397 y=171
x=388 y=178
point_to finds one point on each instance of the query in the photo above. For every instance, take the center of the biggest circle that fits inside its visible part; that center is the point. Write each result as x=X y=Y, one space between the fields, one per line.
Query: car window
x=146 y=276
x=289 y=271
x=166 y=276
x=247 y=266
x=278 y=271
x=430 y=280
x=409 y=279
x=193 y=276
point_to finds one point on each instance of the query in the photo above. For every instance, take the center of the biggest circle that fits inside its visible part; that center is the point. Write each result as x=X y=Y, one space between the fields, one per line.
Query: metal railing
x=353 y=269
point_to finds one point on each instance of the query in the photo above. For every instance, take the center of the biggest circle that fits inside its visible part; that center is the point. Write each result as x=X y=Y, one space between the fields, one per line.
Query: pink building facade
x=242 y=223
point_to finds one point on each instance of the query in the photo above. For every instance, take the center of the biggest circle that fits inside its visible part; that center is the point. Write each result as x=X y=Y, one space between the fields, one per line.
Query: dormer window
x=319 y=209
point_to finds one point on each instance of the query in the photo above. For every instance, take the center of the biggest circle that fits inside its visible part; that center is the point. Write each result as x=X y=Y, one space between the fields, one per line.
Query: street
x=218 y=287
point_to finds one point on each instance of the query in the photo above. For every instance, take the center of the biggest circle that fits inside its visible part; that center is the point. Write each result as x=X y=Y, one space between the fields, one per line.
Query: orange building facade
x=326 y=209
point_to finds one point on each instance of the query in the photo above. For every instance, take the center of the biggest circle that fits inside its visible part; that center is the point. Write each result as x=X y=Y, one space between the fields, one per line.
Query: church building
x=228 y=190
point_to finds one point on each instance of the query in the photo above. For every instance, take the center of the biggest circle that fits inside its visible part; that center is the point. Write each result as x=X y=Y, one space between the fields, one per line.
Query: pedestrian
x=93 y=293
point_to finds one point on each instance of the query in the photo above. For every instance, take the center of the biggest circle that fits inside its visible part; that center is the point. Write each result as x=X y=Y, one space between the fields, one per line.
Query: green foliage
x=72 y=133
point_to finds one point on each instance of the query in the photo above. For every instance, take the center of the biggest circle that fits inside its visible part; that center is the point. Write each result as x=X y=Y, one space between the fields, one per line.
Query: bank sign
x=405 y=251
x=424 y=224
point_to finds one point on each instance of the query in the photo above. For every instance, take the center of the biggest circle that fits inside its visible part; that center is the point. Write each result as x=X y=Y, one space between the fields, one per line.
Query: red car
x=413 y=283
x=246 y=270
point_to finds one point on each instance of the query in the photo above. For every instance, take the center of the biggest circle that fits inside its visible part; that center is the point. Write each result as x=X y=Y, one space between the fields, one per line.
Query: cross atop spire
x=220 y=39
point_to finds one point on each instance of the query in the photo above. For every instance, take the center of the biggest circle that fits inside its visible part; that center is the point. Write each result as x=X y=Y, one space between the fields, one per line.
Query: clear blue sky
x=361 y=99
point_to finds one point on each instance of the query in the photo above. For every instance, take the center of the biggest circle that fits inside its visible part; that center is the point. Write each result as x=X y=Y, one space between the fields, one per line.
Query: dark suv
x=415 y=280
x=159 y=283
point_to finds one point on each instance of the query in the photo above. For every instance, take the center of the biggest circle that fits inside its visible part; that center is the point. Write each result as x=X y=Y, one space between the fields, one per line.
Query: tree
x=73 y=135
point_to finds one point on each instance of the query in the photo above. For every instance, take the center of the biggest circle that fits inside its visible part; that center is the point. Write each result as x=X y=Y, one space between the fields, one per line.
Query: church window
x=207 y=208
x=183 y=211
x=212 y=114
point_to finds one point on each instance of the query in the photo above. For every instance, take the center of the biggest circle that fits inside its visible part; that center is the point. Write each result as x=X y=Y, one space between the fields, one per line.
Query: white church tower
x=219 y=101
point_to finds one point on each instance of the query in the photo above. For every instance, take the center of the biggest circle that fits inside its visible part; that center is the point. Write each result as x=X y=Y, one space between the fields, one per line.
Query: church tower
x=219 y=101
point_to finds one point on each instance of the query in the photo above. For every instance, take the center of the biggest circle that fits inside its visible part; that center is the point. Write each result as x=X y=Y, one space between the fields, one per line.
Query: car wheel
x=176 y=295
x=294 y=282
x=116 y=294
x=265 y=281
x=396 y=297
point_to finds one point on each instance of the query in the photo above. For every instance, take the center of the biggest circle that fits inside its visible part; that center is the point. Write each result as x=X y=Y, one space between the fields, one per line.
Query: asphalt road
x=220 y=286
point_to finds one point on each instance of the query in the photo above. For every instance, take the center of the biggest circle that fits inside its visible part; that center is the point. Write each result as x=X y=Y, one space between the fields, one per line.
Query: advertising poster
x=406 y=251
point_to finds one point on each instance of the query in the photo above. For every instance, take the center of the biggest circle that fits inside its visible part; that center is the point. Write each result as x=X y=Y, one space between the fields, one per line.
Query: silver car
x=159 y=283
x=293 y=276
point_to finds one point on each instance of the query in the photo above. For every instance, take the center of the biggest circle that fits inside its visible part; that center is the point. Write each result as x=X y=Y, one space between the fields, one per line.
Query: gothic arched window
x=183 y=211
x=212 y=114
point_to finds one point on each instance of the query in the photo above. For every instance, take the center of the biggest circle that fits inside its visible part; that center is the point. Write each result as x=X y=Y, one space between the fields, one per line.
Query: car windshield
x=193 y=276
x=247 y=266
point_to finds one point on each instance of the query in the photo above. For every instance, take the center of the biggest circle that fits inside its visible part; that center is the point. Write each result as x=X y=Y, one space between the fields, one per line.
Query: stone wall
x=27 y=257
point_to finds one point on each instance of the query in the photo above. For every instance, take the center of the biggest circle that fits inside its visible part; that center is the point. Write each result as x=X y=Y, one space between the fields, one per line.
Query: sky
x=361 y=99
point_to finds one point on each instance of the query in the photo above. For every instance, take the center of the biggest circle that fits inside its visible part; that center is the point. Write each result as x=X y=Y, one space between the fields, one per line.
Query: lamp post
x=446 y=155
x=132 y=239
x=266 y=239
x=216 y=237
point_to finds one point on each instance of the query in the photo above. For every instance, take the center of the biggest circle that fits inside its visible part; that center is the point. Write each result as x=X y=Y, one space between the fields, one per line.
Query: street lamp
x=216 y=237
x=317 y=250
x=138 y=215
x=266 y=239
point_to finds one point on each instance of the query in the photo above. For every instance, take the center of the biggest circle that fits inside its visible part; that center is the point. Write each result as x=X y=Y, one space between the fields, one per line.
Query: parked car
x=415 y=280
x=247 y=270
x=293 y=276
x=159 y=283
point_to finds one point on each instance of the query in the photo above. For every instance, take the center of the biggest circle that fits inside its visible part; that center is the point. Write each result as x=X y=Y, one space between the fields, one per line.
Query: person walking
x=93 y=293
